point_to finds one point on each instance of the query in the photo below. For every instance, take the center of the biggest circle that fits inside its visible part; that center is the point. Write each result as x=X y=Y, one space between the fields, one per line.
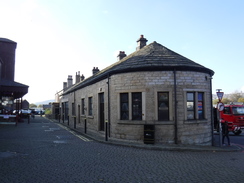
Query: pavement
x=48 y=151
x=162 y=147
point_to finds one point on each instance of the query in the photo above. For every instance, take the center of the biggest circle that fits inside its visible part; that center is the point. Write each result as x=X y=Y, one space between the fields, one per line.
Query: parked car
x=25 y=112
x=39 y=112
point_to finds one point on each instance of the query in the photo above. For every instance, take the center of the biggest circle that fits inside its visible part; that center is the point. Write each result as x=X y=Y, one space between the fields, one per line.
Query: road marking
x=75 y=134
x=239 y=145
x=48 y=130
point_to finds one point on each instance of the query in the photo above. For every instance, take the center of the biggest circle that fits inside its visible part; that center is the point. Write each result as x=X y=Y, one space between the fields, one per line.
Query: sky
x=57 y=38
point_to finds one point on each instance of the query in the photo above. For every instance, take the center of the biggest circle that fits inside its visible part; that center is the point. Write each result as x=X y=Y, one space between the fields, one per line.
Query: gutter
x=104 y=74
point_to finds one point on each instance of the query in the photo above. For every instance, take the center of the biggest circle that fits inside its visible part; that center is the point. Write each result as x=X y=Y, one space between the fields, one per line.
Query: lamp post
x=220 y=107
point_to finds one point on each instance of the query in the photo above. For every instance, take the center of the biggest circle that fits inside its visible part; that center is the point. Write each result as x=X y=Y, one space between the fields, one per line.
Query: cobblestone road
x=43 y=151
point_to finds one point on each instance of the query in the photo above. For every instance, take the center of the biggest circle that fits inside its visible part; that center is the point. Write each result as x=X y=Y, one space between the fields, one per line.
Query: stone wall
x=149 y=83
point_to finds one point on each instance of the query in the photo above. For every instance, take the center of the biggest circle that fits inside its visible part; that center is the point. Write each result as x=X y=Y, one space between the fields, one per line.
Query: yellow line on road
x=75 y=134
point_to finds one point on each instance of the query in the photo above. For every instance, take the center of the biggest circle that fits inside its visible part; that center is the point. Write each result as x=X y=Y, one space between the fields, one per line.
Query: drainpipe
x=176 y=117
x=74 y=112
x=211 y=107
x=108 y=106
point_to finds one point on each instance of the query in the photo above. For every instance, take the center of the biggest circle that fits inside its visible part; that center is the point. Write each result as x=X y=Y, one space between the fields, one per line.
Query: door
x=101 y=111
x=78 y=113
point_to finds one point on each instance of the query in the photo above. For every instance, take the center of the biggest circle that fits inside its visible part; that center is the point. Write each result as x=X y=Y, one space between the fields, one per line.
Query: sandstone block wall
x=149 y=83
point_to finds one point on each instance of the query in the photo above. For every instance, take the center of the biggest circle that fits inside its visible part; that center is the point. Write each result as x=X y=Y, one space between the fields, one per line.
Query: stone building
x=152 y=92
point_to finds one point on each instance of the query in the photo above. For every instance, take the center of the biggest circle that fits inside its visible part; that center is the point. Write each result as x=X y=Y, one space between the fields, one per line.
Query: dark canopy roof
x=6 y=40
x=153 y=57
x=11 y=88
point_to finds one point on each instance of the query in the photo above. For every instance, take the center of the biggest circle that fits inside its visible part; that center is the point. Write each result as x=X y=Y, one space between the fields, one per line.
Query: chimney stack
x=121 y=55
x=77 y=77
x=95 y=70
x=69 y=81
x=64 y=85
x=141 y=42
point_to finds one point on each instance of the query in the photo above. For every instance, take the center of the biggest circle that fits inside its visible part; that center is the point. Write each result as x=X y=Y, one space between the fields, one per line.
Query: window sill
x=132 y=122
x=164 y=122
x=90 y=117
x=195 y=121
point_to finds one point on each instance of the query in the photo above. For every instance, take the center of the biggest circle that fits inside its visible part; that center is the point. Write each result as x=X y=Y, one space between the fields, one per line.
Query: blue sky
x=57 y=38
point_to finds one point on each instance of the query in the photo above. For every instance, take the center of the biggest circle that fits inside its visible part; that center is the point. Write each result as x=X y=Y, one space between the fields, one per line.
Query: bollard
x=17 y=119
x=106 y=130
x=68 y=120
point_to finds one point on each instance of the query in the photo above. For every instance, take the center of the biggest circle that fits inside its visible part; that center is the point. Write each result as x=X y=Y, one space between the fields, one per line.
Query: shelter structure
x=153 y=95
x=11 y=92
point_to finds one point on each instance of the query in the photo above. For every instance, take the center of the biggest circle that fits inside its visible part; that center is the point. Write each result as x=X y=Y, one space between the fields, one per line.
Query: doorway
x=78 y=113
x=101 y=111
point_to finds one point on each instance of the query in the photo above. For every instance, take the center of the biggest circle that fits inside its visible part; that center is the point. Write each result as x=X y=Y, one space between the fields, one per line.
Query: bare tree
x=235 y=96
x=32 y=106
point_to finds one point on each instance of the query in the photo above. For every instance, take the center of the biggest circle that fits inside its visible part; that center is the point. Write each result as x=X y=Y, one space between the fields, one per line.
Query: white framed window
x=195 y=105
x=90 y=107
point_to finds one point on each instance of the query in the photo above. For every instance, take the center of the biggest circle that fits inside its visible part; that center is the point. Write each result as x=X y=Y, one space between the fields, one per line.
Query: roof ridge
x=151 y=57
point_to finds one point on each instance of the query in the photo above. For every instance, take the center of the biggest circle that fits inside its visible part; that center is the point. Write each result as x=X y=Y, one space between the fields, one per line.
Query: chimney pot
x=82 y=77
x=95 y=70
x=121 y=55
x=141 y=42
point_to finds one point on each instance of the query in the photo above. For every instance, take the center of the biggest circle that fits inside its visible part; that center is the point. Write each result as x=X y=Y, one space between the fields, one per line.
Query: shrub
x=48 y=111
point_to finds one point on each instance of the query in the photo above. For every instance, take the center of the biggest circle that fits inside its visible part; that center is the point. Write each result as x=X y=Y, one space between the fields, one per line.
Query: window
x=163 y=106
x=200 y=106
x=192 y=101
x=83 y=106
x=190 y=106
x=90 y=106
x=124 y=106
x=66 y=110
x=238 y=110
x=136 y=106
x=227 y=110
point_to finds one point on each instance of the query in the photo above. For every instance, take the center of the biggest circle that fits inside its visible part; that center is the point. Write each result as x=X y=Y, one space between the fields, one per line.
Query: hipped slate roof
x=153 y=57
